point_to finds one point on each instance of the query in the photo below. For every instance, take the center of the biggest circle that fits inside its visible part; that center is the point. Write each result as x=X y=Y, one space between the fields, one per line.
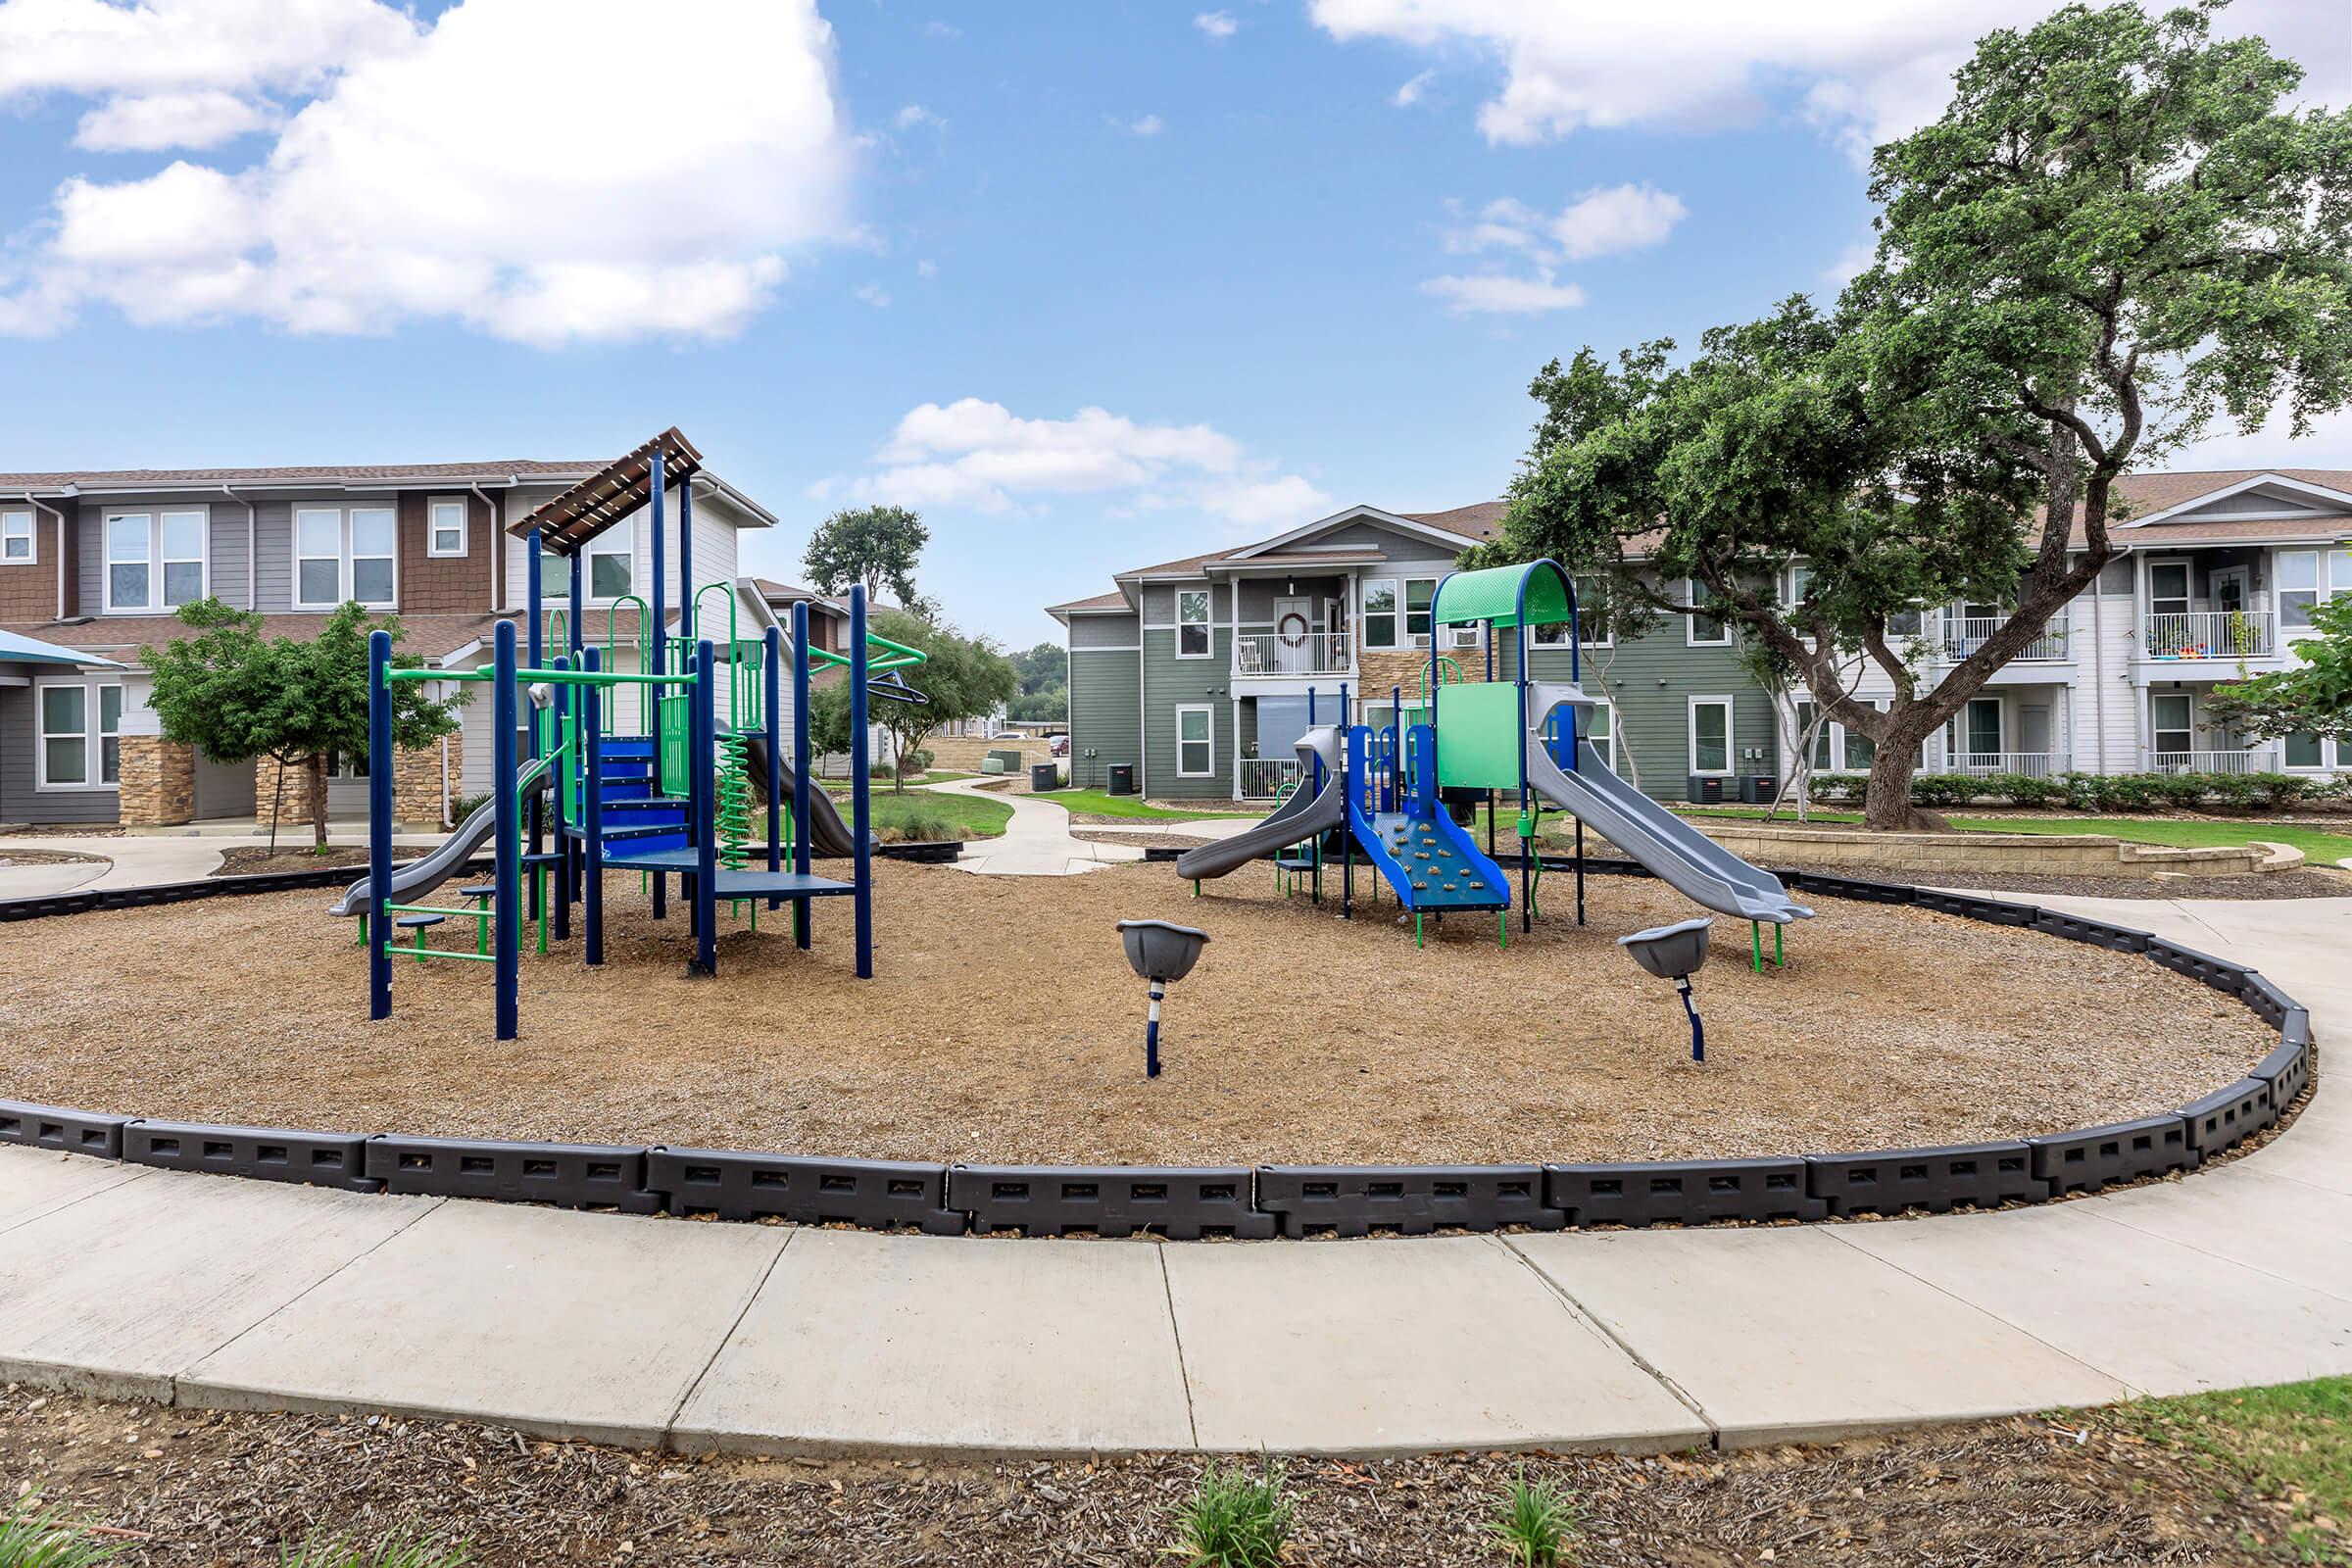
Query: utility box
x=1704 y=789
x=1122 y=778
x=1759 y=789
x=1044 y=776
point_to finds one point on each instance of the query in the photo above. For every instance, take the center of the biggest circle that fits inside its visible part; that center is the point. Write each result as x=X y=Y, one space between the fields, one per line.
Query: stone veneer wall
x=2040 y=854
x=417 y=793
x=158 y=782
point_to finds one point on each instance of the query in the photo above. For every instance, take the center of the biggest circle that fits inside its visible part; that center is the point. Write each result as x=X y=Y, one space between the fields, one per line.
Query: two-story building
x=1198 y=673
x=100 y=564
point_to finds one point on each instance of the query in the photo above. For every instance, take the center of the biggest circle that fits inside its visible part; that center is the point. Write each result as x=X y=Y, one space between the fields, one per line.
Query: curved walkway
x=1038 y=841
x=219 y=1292
x=147 y=860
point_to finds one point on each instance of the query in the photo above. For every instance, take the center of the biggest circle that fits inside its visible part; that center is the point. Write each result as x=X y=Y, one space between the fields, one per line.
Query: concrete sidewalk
x=1037 y=842
x=138 y=860
x=221 y=1293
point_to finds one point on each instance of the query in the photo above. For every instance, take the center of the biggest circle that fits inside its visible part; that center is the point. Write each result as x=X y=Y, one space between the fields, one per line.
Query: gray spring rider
x=1675 y=952
x=1160 y=952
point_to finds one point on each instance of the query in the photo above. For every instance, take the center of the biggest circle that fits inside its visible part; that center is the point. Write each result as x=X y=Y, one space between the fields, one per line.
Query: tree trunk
x=314 y=777
x=1887 y=802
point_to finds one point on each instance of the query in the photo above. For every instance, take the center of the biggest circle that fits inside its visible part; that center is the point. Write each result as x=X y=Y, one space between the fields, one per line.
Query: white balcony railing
x=2211 y=635
x=1985 y=764
x=2251 y=760
x=1963 y=635
x=1306 y=653
x=1263 y=777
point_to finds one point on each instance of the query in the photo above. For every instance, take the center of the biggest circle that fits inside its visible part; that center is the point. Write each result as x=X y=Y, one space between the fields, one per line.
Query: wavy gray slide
x=448 y=857
x=1684 y=858
x=1302 y=817
x=829 y=837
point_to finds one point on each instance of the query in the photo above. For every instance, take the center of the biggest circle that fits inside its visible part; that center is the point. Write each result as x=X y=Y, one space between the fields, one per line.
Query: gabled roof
x=1456 y=528
x=371 y=475
x=18 y=649
x=2313 y=505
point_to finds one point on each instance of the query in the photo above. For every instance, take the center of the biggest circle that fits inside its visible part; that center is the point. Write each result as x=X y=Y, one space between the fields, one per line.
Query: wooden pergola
x=609 y=495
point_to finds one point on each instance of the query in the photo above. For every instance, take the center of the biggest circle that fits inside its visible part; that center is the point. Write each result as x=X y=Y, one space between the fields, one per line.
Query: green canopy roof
x=1498 y=592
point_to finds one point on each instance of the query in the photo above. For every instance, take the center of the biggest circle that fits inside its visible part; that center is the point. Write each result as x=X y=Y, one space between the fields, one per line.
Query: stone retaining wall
x=2035 y=854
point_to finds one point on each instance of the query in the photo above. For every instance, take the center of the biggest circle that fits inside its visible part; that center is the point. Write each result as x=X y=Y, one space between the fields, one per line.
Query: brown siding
x=29 y=589
x=443 y=586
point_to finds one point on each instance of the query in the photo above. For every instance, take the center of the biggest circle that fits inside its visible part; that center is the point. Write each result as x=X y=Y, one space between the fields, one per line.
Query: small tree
x=873 y=546
x=1044 y=696
x=238 y=697
x=2315 y=698
x=962 y=677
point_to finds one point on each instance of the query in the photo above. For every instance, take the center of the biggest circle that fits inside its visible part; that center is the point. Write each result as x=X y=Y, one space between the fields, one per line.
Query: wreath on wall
x=1289 y=637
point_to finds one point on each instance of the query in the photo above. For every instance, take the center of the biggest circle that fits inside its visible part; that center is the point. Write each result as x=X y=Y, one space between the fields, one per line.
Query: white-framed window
x=1419 y=592
x=2298 y=588
x=155 y=559
x=179 y=537
x=1196 y=740
x=445 y=526
x=1601 y=733
x=1192 y=623
x=1379 y=612
x=1591 y=629
x=17 y=539
x=2304 y=754
x=1702 y=631
x=612 y=562
x=81 y=725
x=1711 y=735
x=343 y=553
x=129 y=560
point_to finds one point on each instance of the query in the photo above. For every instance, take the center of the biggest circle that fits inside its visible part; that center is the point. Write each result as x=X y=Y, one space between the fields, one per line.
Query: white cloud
x=1619 y=217
x=973 y=453
x=873 y=294
x=517 y=205
x=1218 y=25
x=1868 y=69
x=1850 y=262
x=926 y=267
x=150 y=123
x=936 y=28
x=2328 y=446
x=1409 y=94
x=1496 y=294
x=915 y=115
x=1144 y=125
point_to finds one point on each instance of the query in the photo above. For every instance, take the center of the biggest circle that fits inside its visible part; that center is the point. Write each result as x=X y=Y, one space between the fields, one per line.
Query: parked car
x=1060 y=746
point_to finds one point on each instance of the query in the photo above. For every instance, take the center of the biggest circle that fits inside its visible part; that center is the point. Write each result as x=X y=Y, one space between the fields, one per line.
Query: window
x=1418 y=592
x=2298 y=588
x=130 y=562
x=2167 y=586
x=154 y=561
x=82 y=727
x=2171 y=722
x=341 y=555
x=2305 y=752
x=445 y=526
x=613 y=562
x=1379 y=612
x=1710 y=734
x=318 y=556
x=1860 y=751
x=182 y=539
x=1703 y=631
x=15 y=537
x=1601 y=735
x=1192 y=623
x=346 y=765
x=371 y=547
x=1195 y=742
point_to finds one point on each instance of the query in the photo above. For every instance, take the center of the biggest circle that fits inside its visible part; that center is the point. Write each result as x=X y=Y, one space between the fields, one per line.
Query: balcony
x=2250 y=760
x=2211 y=635
x=1963 y=635
x=1266 y=777
x=1306 y=653
x=1989 y=765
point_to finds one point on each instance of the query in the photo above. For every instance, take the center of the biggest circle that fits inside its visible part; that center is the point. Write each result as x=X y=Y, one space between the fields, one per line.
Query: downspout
x=497 y=528
x=40 y=505
x=253 y=565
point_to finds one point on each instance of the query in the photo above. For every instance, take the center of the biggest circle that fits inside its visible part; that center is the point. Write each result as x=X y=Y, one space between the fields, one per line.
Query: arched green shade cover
x=1493 y=595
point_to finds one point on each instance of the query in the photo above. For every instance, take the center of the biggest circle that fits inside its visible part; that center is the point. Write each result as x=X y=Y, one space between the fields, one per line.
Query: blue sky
x=1295 y=254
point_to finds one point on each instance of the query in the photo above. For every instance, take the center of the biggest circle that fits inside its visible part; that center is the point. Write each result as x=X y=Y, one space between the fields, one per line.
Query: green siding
x=1102 y=716
x=1173 y=682
x=1650 y=680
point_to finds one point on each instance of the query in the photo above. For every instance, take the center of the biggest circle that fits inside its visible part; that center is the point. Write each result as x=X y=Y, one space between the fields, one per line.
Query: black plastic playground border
x=1236 y=1200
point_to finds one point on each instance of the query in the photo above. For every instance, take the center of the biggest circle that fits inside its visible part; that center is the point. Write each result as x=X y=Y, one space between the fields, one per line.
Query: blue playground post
x=701 y=744
x=650 y=698
x=560 y=786
x=592 y=743
x=508 y=914
x=773 y=682
x=686 y=617
x=377 y=924
x=1347 y=838
x=800 y=766
x=537 y=645
x=861 y=778
x=1527 y=796
x=572 y=866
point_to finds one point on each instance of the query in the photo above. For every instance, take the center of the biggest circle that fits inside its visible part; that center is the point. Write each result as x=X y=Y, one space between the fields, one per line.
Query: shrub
x=393 y=1550
x=1538 y=1524
x=914 y=761
x=1933 y=790
x=1235 y=1519
x=464 y=806
x=1838 y=788
x=919 y=827
x=2272 y=791
x=33 y=1537
x=2028 y=789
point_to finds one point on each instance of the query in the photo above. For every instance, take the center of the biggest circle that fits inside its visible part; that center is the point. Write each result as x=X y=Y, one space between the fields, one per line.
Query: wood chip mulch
x=1004 y=1024
x=2316 y=882
x=190 y=1489
x=247 y=860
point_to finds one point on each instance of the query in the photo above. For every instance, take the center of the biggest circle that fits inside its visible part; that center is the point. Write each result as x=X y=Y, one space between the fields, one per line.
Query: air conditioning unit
x=1704 y=789
x=1759 y=789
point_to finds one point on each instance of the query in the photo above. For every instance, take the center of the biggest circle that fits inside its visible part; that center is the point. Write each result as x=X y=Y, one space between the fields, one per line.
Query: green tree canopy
x=2112 y=238
x=2315 y=698
x=962 y=677
x=236 y=696
x=1044 y=696
x=874 y=546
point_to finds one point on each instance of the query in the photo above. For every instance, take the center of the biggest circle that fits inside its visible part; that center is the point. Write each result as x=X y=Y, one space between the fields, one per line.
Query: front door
x=2169 y=630
x=2229 y=595
x=1985 y=731
x=2034 y=738
x=1295 y=636
x=2172 y=732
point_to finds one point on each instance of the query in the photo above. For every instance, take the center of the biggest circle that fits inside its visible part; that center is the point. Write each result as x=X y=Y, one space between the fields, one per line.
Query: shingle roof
x=1478 y=520
x=498 y=472
x=1115 y=600
x=429 y=636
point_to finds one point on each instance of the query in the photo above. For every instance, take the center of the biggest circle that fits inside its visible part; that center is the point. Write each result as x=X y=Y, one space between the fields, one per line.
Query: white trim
x=1690 y=623
x=1123 y=647
x=1731 y=735
x=1207 y=624
x=346 y=558
x=31 y=536
x=2317 y=492
x=464 y=526
x=600 y=545
x=92 y=736
x=1459 y=541
x=155 y=560
x=1207 y=711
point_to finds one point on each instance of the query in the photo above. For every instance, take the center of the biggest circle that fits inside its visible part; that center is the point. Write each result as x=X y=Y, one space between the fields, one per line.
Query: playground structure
x=1383 y=792
x=667 y=791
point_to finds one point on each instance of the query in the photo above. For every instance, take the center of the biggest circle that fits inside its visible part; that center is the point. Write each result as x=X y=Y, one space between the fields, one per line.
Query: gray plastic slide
x=1684 y=858
x=1303 y=817
x=448 y=857
x=829 y=837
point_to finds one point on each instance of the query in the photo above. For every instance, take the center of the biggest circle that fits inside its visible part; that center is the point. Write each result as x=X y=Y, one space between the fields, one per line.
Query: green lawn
x=1095 y=802
x=2319 y=845
x=2292 y=1443
x=926 y=814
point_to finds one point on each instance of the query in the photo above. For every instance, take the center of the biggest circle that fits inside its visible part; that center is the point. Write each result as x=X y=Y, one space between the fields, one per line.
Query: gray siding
x=227 y=573
x=1103 y=631
x=20 y=801
x=273 y=557
x=1103 y=714
x=1651 y=682
x=1160 y=603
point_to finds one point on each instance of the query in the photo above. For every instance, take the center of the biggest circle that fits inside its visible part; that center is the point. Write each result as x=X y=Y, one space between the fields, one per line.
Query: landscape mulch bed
x=189 y=1488
x=1004 y=1024
x=247 y=860
x=1140 y=841
x=10 y=854
x=2314 y=883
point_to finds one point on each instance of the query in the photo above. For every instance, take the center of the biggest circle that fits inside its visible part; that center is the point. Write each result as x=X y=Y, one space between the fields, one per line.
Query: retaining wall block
x=2120 y=1152
x=871 y=1193
x=2295 y=1028
x=1994 y=911
x=264 y=1153
x=71 y=1131
x=2203 y=967
x=1892 y=1180
x=2287 y=1070
x=1413 y=1199
x=1850 y=887
x=2098 y=933
x=1183 y=1204
x=567 y=1175
x=2269 y=1004
x=1688 y=1192
x=2229 y=1116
